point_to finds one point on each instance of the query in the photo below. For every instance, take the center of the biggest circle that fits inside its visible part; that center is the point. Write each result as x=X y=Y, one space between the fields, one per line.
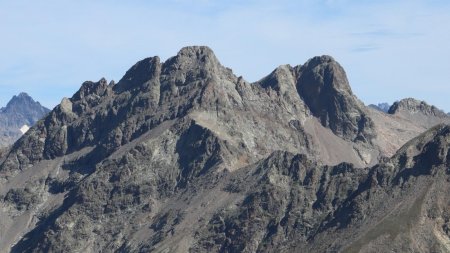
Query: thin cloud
x=365 y=48
x=387 y=33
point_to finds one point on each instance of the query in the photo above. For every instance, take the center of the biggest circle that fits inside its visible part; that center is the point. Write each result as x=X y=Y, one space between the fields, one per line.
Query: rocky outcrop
x=21 y=112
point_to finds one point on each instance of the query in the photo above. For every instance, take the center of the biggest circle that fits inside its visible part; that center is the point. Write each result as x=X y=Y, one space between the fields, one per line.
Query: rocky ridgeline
x=184 y=156
x=411 y=105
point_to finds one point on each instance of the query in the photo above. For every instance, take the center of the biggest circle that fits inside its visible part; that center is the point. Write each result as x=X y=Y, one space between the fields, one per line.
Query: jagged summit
x=412 y=105
x=201 y=53
x=139 y=74
x=193 y=57
x=418 y=111
x=21 y=112
x=326 y=72
x=324 y=87
x=282 y=77
x=25 y=105
x=18 y=102
x=90 y=88
x=179 y=68
x=320 y=60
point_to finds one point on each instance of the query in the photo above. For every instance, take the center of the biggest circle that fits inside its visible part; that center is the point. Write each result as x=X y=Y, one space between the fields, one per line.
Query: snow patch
x=24 y=129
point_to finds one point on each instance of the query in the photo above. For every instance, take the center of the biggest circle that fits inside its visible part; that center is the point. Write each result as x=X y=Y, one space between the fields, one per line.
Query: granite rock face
x=184 y=156
x=20 y=111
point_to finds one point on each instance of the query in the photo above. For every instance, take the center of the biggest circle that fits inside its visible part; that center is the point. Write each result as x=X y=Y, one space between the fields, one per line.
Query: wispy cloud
x=365 y=48
x=386 y=33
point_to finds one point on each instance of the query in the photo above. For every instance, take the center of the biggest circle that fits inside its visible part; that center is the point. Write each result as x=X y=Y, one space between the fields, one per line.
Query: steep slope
x=184 y=156
x=403 y=204
x=20 y=113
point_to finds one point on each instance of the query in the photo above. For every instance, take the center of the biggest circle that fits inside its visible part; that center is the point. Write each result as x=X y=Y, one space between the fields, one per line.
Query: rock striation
x=184 y=156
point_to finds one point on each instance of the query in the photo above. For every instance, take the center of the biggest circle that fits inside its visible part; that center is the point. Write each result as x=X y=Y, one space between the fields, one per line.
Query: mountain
x=20 y=113
x=384 y=107
x=418 y=111
x=184 y=156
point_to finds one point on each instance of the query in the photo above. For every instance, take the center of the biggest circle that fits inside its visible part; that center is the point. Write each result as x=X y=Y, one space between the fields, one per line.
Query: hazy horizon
x=389 y=49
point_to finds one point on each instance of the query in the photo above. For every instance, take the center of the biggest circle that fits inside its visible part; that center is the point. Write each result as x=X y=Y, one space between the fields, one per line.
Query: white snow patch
x=24 y=129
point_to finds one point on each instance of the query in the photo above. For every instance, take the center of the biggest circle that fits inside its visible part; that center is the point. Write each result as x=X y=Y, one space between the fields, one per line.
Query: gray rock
x=324 y=87
x=183 y=156
x=412 y=105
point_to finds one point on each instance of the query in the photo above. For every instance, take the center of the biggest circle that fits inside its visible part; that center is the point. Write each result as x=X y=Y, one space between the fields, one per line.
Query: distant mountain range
x=384 y=107
x=185 y=156
x=21 y=113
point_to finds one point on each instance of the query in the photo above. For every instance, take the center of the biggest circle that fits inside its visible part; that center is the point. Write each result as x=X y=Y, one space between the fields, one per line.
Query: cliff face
x=183 y=156
x=20 y=113
x=324 y=87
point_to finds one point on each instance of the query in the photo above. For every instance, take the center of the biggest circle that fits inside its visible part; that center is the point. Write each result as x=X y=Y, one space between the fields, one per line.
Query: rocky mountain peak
x=25 y=105
x=411 y=105
x=323 y=85
x=193 y=56
x=325 y=74
x=198 y=53
x=91 y=88
x=23 y=99
x=139 y=74
x=20 y=111
x=282 y=76
x=192 y=63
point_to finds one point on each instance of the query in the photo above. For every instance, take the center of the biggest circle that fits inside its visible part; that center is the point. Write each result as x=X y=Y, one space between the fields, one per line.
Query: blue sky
x=389 y=49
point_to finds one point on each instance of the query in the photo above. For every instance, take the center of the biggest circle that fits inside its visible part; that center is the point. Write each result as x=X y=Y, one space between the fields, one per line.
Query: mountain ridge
x=184 y=156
